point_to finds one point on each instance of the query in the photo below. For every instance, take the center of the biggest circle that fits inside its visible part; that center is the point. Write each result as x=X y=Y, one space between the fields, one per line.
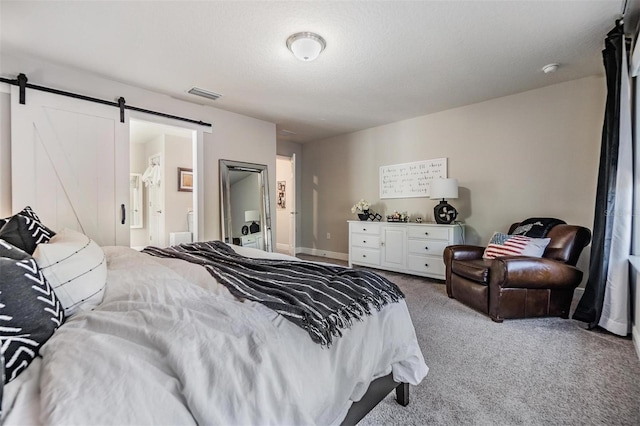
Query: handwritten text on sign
x=410 y=179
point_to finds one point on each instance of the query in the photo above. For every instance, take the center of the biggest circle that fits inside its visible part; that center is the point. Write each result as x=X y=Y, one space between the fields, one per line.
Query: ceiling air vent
x=204 y=93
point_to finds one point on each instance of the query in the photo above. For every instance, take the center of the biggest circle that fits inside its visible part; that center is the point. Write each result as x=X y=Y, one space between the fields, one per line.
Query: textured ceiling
x=385 y=61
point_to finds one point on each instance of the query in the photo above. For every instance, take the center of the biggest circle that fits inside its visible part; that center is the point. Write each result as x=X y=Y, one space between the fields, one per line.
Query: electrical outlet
x=328 y=235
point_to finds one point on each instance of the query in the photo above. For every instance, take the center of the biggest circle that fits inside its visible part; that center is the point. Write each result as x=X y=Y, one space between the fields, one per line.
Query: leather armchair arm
x=532 y=272
x=462 y=252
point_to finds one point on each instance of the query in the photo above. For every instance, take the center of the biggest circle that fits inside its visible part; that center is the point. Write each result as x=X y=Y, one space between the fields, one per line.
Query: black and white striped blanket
x=321 y=299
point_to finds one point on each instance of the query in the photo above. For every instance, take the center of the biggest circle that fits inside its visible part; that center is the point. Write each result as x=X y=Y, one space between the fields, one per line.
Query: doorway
x=286 y=213
x=163 y=155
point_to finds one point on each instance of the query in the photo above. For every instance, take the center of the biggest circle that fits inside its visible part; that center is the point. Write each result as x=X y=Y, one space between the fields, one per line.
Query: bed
x=169 y=344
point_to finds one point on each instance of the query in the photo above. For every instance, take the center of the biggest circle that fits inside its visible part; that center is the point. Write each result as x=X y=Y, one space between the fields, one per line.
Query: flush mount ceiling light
x=306 y=46
x=551 y=68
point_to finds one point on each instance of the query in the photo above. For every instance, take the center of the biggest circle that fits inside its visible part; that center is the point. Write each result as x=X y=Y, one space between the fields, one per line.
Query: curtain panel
x=606 y=300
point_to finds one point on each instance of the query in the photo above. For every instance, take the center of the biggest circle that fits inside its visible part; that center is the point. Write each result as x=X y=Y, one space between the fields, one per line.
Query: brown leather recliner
x=518 y=286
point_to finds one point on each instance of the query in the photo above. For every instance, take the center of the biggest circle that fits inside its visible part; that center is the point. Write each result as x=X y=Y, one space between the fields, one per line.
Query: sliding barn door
x=70 y=162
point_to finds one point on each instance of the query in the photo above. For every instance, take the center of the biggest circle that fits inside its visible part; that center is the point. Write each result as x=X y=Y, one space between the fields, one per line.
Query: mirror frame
x=227 y=166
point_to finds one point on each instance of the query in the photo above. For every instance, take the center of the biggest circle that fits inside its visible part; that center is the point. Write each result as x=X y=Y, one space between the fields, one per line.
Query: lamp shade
x=306 y=46
x=252 y=216
x=443 y=188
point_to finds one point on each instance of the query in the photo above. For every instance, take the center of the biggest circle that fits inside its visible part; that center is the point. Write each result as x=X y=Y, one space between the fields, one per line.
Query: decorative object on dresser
x=444 y=213
x=362 y=209
x=398 y=217
x=252 y=216
x=410 y=248
x=509 y=279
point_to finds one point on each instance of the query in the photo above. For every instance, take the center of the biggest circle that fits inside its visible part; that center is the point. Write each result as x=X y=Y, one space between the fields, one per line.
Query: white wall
x=234 y=136
x=530 y=154
x=138 y=164
x=5 y=154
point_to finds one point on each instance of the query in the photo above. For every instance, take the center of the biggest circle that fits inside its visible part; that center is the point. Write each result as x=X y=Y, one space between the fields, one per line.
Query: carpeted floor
x=546 y=371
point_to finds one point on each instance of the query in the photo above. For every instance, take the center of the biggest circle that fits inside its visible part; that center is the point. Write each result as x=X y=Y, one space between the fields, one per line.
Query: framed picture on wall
x=281 y=194
x=185 y=179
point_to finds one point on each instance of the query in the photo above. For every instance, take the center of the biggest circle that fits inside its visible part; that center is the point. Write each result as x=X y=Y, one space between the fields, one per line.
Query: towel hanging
x=152 y=175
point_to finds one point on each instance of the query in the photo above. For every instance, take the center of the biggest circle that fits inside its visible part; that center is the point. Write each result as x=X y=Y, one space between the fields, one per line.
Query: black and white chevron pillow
x=25 y=232
x=29 y=313
x=27 y=211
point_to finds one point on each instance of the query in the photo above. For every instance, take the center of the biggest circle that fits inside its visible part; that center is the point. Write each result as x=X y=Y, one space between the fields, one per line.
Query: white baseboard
x=323 y=253
x=283 y=248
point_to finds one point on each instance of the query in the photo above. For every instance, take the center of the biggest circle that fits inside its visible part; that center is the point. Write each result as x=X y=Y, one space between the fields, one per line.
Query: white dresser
x=411 y=248
x=252 y=240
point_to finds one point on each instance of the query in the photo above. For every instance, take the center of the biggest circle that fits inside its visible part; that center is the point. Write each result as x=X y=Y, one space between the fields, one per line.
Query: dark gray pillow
x=25 y=233
x=11 y=251
x=29 y=313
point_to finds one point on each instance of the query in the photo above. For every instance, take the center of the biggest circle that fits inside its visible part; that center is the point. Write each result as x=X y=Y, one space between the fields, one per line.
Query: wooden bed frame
x=377 y=391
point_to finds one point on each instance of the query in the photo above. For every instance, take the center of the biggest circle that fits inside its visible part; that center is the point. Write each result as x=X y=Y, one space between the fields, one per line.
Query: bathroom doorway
x=163 y=194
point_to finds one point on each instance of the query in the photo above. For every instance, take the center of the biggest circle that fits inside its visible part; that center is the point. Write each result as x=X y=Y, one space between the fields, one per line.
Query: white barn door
x=70 y=162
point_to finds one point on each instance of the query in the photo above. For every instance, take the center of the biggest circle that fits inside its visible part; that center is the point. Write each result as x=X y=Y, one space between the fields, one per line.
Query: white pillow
x=515 y=245
x=76 y=269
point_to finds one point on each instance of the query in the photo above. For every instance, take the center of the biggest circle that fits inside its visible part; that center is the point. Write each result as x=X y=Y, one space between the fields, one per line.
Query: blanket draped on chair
x=537 y=227
x=322 y=299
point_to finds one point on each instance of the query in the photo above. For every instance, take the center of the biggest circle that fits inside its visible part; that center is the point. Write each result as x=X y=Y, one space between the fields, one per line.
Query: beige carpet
x=546 y=371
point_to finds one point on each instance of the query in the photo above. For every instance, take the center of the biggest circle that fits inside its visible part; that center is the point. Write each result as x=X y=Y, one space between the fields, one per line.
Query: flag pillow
x=515 y=245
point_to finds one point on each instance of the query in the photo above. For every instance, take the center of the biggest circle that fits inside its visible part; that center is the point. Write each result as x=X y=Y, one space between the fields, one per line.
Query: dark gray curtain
x=589 y=309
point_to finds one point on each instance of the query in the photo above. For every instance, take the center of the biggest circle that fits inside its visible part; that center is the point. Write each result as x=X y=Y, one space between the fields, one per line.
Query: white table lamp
x=441 y=188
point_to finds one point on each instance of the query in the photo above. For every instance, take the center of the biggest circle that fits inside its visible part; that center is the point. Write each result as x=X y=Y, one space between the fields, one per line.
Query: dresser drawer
x=362 y=255
x=365 y=240
x=431 y=265
x=431 y=232
x=427 y=247
x=365 y=228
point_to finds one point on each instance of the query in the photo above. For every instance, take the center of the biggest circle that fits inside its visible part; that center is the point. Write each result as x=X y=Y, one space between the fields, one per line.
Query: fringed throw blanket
x=321 y=299
x=537 y=227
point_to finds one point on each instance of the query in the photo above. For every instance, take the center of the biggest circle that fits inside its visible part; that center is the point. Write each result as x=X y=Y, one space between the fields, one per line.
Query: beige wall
x=234 y=136
x=530 y=154
x=177 y=153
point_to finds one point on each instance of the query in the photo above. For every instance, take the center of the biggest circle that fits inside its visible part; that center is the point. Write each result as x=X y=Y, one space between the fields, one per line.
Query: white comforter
x=169 y=345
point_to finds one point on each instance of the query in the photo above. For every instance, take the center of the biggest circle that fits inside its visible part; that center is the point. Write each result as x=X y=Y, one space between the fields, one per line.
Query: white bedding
x=169 y=345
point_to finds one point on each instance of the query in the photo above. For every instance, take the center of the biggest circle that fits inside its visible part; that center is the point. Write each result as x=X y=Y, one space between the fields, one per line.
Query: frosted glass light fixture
x=306 y=46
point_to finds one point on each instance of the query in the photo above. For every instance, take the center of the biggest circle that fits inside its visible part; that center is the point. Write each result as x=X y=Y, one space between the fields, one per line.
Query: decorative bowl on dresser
x=410 y=248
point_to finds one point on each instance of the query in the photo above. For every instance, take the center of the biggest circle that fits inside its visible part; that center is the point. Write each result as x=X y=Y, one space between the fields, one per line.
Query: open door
x=70 y=162
x=286 y=213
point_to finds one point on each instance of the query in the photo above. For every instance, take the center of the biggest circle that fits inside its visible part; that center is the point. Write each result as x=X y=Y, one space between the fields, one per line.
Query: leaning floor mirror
x=244 y=204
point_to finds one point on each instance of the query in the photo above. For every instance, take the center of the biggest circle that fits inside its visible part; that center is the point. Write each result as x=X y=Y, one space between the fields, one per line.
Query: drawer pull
x=364 y=255
x=426 y=264
x=426 y=233
x=364 y=229
x=364 y=241
x=426 y=248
